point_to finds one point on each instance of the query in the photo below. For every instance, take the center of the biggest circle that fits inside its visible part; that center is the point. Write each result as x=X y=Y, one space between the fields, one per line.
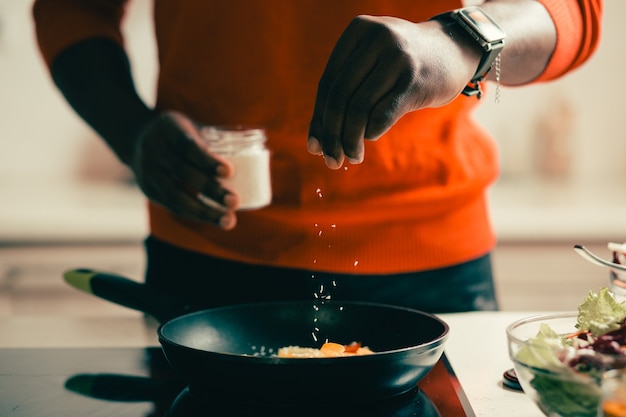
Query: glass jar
x=244 y=147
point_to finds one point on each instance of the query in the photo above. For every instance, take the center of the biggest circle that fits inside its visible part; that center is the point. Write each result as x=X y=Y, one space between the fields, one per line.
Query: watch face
x=482 y=24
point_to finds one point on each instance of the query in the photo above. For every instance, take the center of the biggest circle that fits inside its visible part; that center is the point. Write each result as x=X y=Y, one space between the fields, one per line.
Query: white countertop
x=105 y=212
x=476 y=349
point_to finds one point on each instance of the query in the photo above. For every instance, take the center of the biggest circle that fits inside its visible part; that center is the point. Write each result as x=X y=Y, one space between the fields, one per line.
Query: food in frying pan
x=328 y=350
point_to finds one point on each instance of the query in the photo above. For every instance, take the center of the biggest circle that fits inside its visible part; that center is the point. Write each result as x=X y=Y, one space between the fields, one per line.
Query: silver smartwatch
x=485 y=32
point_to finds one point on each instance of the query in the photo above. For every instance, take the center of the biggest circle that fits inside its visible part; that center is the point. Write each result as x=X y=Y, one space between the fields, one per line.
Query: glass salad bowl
x=556 y=367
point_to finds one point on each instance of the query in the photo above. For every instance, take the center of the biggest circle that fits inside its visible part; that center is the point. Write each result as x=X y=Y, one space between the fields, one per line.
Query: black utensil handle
x=128 y=293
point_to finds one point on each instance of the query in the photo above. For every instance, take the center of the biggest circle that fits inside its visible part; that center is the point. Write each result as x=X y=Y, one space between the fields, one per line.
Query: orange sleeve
x=60 y=23
x=578 y=27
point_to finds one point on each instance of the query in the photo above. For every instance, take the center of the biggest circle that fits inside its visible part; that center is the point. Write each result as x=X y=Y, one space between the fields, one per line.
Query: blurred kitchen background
x=66 y=202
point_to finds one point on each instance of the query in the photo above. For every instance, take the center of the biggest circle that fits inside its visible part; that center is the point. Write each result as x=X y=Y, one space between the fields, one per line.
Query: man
x=395 y=211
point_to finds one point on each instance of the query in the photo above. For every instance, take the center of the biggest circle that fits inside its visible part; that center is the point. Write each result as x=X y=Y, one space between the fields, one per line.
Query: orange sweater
x=418 y=200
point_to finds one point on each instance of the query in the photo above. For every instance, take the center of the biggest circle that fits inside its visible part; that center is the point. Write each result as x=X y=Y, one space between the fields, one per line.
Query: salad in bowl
x=560 y=358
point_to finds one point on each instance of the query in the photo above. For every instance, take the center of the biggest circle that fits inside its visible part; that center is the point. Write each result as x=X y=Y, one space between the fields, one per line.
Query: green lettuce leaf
x=557 y=396
x=539 y=351
x=600 y=313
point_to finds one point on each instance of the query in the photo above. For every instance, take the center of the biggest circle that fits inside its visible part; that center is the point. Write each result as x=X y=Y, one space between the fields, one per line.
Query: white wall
x=594 y=94
x=41 y=138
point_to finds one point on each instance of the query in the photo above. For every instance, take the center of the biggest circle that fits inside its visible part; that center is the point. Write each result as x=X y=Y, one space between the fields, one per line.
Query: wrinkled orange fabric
x=417 y=202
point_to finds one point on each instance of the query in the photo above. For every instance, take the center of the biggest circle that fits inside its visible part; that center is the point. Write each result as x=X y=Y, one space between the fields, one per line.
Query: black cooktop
x=136 y=382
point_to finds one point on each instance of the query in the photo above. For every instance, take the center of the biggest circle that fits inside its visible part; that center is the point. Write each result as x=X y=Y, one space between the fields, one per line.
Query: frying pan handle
x=126 y=388
x=128 y=293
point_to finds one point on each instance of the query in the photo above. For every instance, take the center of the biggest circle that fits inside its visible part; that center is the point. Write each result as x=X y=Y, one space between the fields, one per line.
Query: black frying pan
x=230 y=351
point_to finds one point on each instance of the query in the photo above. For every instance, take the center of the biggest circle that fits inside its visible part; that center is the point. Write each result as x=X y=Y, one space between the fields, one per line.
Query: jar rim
x=241 y=133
